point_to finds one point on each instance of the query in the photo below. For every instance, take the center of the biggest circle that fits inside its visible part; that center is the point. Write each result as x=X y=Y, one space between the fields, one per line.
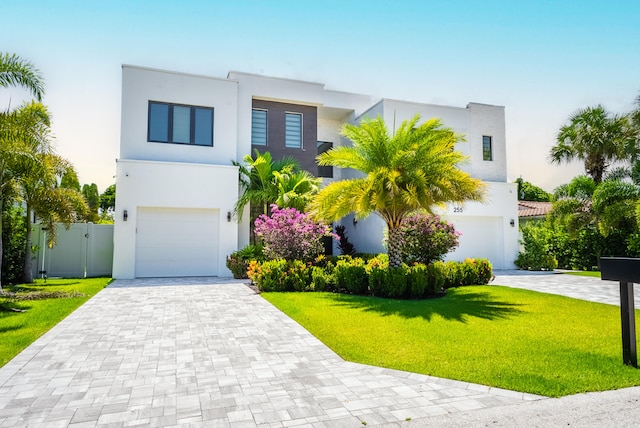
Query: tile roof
x=533 y=209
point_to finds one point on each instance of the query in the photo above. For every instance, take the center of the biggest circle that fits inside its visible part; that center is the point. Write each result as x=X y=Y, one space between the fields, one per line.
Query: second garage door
x=176 y=242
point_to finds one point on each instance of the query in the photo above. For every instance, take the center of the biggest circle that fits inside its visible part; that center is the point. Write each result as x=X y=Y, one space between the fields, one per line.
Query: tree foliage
x=530 y=192
x=596 y=137
x=416 y=168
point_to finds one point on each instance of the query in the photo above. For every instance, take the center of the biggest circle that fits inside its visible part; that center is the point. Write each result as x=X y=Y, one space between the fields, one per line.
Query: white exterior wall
x=140 y=85
x=488 y=120
x=172 y=185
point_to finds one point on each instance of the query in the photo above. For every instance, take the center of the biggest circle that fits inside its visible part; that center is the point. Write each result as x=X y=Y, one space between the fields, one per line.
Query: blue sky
x=541 y=59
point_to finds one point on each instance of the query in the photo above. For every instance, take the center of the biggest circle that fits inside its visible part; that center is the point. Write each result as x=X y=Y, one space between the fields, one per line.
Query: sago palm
x=416 y=168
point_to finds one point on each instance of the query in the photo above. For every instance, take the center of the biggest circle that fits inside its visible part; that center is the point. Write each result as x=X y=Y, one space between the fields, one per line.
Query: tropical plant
x=346 y=247
x=594 y=136
x=257 y=179
x=416 y=168
x=15 y=135
x=14 y=71
x=291 y=235
x=295 y=188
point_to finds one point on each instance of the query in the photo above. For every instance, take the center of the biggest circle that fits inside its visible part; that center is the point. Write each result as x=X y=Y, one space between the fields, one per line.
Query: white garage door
x=176 y=242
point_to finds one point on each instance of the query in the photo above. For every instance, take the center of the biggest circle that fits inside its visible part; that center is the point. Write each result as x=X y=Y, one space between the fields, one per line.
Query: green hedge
x=372 y=277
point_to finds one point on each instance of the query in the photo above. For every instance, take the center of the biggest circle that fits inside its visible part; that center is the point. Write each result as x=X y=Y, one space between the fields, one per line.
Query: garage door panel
x=176 y=242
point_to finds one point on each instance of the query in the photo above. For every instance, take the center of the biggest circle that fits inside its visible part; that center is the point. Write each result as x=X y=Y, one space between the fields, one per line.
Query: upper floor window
x=324 y=171
x=487 y=149
x=293 y=130
x=180 y=124
x=259 y=127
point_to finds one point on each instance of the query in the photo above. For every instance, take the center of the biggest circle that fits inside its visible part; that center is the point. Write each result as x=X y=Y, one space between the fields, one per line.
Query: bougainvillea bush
x=427 y=238
x=291 y=235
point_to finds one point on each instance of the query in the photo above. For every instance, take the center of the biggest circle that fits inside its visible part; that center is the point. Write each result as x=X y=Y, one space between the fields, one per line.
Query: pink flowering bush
x=427 y=238
x=291 y=235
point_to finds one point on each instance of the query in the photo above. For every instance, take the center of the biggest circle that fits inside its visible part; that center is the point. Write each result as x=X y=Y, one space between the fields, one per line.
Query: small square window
x=293 y=130
x=487 y=149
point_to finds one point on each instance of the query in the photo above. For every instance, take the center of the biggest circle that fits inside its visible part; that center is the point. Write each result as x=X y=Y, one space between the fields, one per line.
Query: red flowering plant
x=291 y=235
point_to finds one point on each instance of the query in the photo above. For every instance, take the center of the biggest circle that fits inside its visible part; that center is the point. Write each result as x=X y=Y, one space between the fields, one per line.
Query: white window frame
x=266 y=126
x=301 y=146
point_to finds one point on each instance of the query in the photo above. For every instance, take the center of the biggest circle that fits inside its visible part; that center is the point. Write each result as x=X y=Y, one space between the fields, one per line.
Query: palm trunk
x=394 y=241
x=27 y=276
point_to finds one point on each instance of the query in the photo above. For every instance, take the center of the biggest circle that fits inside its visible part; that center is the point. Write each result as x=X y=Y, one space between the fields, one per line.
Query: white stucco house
x=177 y=186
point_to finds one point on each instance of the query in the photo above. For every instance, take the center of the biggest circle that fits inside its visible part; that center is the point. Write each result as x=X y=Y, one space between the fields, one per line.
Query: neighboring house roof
x=533 y=209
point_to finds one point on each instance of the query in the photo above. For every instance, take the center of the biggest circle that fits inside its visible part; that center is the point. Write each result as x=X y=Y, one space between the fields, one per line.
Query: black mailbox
x=627 y=272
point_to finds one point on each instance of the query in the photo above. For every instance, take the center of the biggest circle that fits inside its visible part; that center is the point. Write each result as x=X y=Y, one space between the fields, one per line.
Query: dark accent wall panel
x=276 y=128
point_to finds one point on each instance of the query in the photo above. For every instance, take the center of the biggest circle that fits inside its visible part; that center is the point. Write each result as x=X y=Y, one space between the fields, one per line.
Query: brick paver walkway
x=205 y=352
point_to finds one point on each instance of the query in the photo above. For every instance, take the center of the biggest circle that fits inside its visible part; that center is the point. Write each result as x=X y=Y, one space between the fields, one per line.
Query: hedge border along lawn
x=19 y=329
x=492 y=335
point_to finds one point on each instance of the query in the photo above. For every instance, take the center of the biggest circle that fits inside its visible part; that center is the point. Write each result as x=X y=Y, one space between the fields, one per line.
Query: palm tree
x=594 y=136
x=417 y=168
x=49 y=202
x=13 y=134
x=24 y=132
x=18 y=72
x=295 y=188
x=257 y=179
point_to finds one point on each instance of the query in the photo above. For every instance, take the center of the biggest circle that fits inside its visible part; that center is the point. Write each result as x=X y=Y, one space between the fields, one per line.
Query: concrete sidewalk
x=209 y=352
x=201 y=352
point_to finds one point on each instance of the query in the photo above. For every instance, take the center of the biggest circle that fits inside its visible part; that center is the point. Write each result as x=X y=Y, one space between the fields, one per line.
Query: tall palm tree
x=24 y=132
x=416 y=168
x=594 y=136
x=15 y=71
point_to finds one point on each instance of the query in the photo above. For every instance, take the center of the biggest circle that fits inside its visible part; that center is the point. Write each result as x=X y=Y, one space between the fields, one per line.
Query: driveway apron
x=207 y=352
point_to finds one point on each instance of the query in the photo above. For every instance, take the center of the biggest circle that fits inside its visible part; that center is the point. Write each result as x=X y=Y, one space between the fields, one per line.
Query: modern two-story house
x=177 y=186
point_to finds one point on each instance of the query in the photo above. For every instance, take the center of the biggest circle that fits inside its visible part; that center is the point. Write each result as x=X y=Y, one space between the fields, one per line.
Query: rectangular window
x=293 y=130
x=487 y=149
x=259 y=127
x=324 y=171
x=180 y=124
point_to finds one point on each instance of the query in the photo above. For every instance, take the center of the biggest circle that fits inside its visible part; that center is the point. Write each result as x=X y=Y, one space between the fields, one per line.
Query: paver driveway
x=205 y=352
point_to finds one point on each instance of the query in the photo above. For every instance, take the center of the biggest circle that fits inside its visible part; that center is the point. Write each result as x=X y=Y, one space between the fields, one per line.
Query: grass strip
x=44 y=306
x=492 y=335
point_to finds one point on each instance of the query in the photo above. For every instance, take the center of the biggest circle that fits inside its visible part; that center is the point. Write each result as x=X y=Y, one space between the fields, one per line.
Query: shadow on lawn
x=453 y=306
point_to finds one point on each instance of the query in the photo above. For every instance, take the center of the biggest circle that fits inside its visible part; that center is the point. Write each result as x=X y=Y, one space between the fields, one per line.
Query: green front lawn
x=19 y=329
x=503 y=337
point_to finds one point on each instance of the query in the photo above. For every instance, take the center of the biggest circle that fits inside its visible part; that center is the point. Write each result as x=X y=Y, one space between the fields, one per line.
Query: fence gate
x=84 y=250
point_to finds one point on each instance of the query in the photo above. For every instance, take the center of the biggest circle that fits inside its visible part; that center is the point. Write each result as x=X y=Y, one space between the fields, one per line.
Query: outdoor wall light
x=229 y=216
x=512 y=223
x=355 y=221
x=125 y=215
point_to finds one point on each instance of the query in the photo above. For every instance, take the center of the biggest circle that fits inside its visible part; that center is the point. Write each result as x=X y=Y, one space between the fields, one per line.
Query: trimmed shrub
x=351 y=275
x=280 y=275
x=418 y=282
x=238 y=261
x=322 y=279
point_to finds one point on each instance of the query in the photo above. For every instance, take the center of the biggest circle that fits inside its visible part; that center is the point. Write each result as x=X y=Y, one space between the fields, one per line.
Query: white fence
x=85 y=250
